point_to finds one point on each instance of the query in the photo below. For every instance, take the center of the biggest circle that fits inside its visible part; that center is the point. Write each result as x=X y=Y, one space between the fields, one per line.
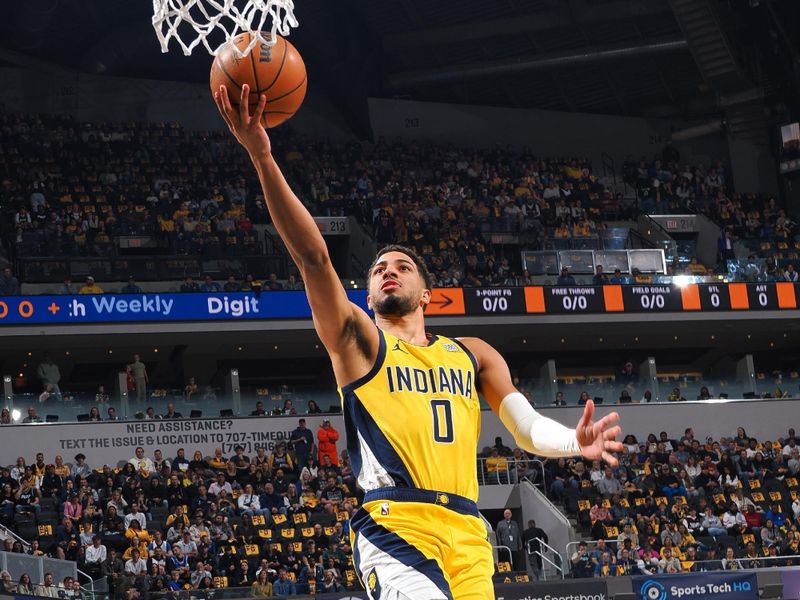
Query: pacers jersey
x=413 y=421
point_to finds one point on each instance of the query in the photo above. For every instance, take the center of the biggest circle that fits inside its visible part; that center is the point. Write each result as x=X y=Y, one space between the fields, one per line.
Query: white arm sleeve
x=535 y=433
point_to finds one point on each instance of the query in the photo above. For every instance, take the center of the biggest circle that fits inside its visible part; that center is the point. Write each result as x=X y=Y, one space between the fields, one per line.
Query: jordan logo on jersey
x=398 y=348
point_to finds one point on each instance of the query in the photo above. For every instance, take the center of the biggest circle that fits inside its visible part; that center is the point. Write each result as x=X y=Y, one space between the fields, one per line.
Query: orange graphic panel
x=690 y=297
x=738 y=292
x=534 y=299
x=786 y=296
x=446 y=301
x=612 y=294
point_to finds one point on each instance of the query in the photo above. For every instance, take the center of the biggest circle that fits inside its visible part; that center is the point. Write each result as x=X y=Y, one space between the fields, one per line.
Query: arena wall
x=96 y=98
x=113 y=441
x=547 y=133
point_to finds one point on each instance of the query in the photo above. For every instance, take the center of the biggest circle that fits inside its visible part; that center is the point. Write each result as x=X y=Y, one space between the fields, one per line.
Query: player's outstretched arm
x=334 y=315
x=532 y=431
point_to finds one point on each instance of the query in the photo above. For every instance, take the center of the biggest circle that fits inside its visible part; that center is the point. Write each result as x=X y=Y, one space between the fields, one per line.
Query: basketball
x=277 y=71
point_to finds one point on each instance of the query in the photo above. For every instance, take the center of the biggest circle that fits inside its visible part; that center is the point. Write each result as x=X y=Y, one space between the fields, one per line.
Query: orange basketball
x=277 y=71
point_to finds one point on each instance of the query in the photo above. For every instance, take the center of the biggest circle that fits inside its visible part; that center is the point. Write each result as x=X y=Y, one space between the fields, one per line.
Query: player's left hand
x=599 y=439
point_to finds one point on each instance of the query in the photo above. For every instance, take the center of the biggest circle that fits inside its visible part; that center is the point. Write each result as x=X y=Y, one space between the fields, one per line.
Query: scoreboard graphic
x=610 y=299
x=497 y=301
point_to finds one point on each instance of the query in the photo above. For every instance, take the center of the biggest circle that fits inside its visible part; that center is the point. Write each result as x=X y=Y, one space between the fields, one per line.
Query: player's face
x=395 y=286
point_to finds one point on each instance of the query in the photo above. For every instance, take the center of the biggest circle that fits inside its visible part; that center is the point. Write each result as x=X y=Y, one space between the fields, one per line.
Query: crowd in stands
x=276 y=522
x=68 y=189
x=675 y=505
x=665 y=186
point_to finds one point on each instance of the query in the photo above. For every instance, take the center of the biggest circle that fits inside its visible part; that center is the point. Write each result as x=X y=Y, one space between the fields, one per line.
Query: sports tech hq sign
x=713 y=585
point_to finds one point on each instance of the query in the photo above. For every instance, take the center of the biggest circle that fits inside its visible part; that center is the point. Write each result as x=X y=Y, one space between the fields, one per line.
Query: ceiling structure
x=608 y=56
x=689 y=59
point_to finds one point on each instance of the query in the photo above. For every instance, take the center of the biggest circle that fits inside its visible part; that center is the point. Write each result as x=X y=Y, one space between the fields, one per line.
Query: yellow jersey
x=414 y=420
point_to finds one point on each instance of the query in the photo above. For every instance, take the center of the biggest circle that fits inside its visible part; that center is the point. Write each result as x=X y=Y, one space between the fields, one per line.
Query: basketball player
x=410 y=403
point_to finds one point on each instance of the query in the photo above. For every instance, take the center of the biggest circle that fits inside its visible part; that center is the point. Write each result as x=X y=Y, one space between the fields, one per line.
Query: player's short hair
x=422 y=268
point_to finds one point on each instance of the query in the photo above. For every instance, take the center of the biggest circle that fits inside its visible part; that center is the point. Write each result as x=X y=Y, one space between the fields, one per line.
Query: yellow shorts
x=421 y=545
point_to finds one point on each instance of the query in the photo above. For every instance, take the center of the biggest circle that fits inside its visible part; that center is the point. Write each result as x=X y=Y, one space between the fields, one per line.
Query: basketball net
x=217 y=18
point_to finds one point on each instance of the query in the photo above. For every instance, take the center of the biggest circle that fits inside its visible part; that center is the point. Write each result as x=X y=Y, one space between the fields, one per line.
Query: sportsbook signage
x=125 y=308
x=108 y=442
x=790 y=578
x=559 y=300
x=722 y=585
x=566 y=590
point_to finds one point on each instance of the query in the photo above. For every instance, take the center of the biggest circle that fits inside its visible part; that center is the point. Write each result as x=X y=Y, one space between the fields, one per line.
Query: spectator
x=94 y=557
x=9 y=285
x=209 y=286
x=497 y=468
x=190 y=389
x=565 y=278
x=273 y=285
x=259 y=411
x=50 y=375
x=790 y=274
x=605 y=566
x=138 y=371
x=283 y=586
x=25 y=586
x=7 y=584
x=231 y=285
x=189 y=286
x=292 y=283
x=131 y=287
x=734 y=521
x=559 y=400
x=171 y=412
x=730 y=562
x=581 y=562
x=608 y=485
x=261 y=588
x=327 y=437
x=676 y=396
x=251 y=284
x=531 y=541
x=669 y=485
x=135 y=566
x=250 y=503
x=331 y=582
x=302 y=441
x=101 y=397
x=669 y=563
x=80 y=469
x=617 y=278
x=91 y=287
x=112 y=414
x=599 y=278
x=68 y=288
x=32 y=416
x=508 y=534
x=47 y=589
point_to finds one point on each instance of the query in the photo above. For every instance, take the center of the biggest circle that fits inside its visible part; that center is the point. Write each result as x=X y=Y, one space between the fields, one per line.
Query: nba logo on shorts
x=385 y=509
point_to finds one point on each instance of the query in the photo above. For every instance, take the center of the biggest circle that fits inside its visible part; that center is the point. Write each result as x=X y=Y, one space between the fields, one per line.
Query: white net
x=214 y=22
